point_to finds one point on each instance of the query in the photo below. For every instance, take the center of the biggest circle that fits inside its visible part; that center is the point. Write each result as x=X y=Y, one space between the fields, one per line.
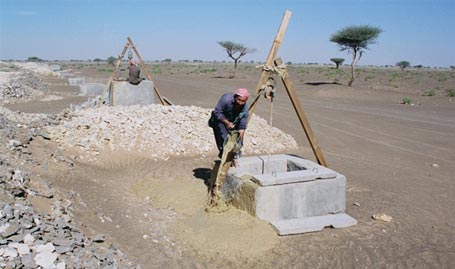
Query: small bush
x=430 y=93
x=156 y=70
x=406 y=101
x=451 y=93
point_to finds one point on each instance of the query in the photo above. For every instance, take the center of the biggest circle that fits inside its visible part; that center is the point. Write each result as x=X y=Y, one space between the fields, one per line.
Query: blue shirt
x=225 y=109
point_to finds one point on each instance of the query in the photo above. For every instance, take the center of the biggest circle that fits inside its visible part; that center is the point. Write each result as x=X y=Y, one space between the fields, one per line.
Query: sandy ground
x=398 y=159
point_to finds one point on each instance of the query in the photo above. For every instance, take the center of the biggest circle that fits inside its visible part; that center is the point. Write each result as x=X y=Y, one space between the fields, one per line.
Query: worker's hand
x=230 y=125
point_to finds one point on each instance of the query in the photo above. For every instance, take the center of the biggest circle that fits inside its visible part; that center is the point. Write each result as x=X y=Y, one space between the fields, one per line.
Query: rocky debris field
x=20 y=83
x=22 y=88
x=31 y=239
x=159 y=131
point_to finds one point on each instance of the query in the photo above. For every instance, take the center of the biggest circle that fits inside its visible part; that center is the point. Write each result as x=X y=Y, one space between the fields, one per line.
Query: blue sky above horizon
x=419 y=31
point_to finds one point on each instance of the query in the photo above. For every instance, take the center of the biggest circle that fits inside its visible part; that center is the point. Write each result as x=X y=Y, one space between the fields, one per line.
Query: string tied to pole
x=279 y=70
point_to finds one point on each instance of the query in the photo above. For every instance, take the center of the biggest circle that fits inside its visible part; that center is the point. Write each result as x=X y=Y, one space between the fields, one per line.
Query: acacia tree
x=235 y=51
x=337 y=61
x=403 y=64
x=355 y=39
x=111 y=60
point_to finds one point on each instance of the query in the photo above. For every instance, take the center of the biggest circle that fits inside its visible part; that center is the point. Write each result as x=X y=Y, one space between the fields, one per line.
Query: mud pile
x=158 y=131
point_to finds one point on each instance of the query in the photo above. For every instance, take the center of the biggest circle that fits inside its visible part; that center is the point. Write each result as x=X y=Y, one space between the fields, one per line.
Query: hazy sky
x=419 y=31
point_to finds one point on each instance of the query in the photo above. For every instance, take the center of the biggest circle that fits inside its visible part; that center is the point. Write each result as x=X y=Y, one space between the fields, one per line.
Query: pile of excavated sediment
x=19 y=84
x=159 y=131
x=31 y=239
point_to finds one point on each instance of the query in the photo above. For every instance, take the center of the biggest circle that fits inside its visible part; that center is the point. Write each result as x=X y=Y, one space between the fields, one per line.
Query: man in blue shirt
x=230 y=113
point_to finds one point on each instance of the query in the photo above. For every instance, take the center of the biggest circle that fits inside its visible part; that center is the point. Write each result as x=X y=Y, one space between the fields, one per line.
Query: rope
x=270 y=94
x=268 y=88
x=271 y=112
x=280 y=69
x=271 y=125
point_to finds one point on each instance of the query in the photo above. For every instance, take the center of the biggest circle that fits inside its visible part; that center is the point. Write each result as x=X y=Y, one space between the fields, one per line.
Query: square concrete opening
x=294 y=194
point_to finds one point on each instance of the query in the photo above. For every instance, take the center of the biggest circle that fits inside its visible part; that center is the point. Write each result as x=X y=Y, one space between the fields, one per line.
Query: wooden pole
x=108 y=84
x=272 y=55
x=301 y=115
x=149 y=77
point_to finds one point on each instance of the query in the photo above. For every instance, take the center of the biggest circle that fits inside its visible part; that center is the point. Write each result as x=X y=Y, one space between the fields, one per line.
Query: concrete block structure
x=65 y=75
x=76 y=81
x=55 y=67
x=294 y=194
x=123 y=93
x=91 y=89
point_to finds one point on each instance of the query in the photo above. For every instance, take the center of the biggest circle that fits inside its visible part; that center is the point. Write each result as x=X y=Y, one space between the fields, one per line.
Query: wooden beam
x=301 y=114
x=149 y=77
x=272 y=55
x=114 y=73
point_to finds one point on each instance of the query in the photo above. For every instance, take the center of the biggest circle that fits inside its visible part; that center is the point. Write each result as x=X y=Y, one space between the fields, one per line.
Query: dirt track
x=398 y=159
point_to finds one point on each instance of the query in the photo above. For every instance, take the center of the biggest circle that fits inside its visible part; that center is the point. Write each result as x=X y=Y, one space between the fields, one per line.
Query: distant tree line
x=403 y=64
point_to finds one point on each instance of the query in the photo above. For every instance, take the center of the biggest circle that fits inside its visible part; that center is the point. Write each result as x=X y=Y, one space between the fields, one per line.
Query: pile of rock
x=40 y=240
x=24 y=86
x=159 y=131
x=30 y=239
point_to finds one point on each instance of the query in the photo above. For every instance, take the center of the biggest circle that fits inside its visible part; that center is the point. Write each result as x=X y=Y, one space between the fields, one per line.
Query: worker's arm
x=219 y=109
x=241 y=133
x=229 y=125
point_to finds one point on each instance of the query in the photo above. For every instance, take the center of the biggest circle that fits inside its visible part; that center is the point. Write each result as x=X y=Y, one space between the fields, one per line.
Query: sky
x=419 y=31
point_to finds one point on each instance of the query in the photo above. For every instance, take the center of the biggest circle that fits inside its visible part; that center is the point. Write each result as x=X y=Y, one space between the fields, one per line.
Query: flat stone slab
x=312 y=224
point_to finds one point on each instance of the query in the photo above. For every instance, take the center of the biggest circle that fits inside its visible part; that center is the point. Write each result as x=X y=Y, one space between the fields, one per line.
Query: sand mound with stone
x=37 y=228
x=159 y=131
x=21 y=82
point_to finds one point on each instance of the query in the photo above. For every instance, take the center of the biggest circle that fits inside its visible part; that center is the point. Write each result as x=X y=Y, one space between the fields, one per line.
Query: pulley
x=269 y=88
x=130 y=54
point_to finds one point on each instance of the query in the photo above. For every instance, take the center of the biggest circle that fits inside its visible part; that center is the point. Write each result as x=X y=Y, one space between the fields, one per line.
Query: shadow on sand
x=203 y=174
x=321 y=83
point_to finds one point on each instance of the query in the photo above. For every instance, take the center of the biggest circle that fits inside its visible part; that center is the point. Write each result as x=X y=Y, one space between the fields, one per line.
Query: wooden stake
x=108 y=84
x=272 y=55
x=301 y=114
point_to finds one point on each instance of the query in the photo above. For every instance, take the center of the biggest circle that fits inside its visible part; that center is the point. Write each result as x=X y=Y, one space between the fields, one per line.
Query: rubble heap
x=159 y=131
x=22 y=87
x=38 y=240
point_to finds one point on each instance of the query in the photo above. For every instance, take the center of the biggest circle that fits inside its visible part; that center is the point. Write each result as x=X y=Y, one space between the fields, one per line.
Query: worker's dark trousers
x=220 y=132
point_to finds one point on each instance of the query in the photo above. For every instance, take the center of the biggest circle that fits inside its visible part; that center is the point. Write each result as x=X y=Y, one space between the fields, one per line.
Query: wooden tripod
x=274 y=63
x=130 y=44
x=219 y=171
